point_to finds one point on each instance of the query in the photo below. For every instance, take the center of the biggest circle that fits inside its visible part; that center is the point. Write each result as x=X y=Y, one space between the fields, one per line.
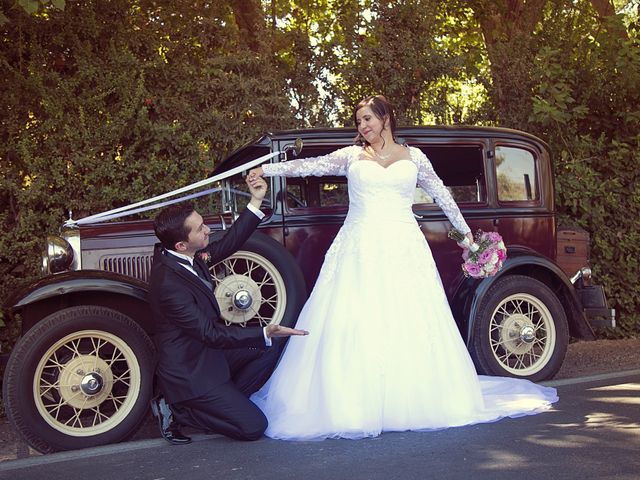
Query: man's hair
x=169 y=224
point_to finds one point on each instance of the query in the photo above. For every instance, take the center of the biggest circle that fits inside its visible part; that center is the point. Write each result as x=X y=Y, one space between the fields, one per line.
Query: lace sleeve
x=334 y=163
x=429 y=181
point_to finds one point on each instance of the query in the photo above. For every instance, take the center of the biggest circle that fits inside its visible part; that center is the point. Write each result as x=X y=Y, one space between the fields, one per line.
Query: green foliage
x=33 y=7
x=107 y=103
x=587 y=105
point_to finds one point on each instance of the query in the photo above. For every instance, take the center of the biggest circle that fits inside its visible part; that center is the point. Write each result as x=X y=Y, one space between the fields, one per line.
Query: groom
x=206 y=371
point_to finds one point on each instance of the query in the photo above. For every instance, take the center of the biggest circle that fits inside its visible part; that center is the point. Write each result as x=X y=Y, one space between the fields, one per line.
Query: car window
x=516 y=174
x=461 y=168
x=333 y=192
x=328 y=191
x=238 y=196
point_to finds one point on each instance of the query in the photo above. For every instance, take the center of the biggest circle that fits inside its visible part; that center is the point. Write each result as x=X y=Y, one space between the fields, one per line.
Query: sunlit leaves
x=30 y=6
x=140 y=97
x=33 y=6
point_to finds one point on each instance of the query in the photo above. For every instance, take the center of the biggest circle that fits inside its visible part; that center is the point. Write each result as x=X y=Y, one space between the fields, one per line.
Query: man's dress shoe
x=168 y=428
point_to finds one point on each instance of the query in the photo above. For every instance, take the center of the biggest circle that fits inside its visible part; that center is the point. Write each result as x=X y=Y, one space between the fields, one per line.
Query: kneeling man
x=206 y=371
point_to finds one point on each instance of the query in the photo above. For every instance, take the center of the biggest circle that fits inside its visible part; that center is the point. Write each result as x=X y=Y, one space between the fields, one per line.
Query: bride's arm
x=429 y=181
x=334 y=163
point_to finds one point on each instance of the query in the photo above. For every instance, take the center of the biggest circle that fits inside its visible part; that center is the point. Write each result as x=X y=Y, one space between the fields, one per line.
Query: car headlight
x=57 y=256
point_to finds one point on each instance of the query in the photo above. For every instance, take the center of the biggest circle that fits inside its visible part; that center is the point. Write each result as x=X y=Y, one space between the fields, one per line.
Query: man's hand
x=258 y=189
x=256 y=172
x=280 y=331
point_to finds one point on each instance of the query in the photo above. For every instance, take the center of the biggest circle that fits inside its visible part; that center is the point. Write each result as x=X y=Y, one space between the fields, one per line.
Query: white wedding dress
x=383 y=352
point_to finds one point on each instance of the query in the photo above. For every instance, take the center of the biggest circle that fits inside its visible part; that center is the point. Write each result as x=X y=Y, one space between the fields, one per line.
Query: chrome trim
x=133 y=265
x=57 y=256
x=131 y=261
x=584 y=273
x=72 y=235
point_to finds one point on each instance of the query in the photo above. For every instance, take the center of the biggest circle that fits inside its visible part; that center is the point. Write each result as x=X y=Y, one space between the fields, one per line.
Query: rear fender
x=471 y=292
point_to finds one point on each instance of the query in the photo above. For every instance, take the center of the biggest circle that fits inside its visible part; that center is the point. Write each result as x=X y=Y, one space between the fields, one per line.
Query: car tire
x=520 y=330
x=81 y=377
x=260 y=284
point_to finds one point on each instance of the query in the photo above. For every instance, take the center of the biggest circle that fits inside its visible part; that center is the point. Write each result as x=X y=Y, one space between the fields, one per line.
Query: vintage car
x=82 y=373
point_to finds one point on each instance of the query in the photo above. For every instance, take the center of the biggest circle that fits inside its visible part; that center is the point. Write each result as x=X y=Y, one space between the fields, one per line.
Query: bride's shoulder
x=351 y=151
x=354 y=149
x=415 y=153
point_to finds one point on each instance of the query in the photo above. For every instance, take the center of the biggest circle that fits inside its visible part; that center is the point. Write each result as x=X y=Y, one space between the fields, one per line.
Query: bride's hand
x=465 y=245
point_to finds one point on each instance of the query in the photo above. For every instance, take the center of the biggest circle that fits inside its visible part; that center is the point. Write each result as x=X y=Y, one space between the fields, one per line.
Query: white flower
x=489 y=266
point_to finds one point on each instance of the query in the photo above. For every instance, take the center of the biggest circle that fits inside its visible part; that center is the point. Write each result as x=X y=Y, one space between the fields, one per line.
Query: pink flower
x=494 y=237
x=487 y=259
x=485 y=256
x=472 y=269
x=205 y=257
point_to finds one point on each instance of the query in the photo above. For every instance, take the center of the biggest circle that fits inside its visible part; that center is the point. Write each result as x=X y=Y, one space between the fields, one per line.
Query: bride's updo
x=381 y=108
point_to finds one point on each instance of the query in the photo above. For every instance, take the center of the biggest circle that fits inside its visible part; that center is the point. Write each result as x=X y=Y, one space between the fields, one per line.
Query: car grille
x=137 y=266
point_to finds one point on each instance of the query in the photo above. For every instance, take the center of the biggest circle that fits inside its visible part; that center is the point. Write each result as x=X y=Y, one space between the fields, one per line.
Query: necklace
x=380 y=156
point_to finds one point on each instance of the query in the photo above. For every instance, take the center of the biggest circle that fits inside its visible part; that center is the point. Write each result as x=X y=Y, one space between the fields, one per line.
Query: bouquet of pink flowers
x=484 y=257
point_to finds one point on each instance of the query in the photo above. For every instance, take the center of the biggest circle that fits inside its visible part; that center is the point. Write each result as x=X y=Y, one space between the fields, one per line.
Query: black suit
x=207 y=370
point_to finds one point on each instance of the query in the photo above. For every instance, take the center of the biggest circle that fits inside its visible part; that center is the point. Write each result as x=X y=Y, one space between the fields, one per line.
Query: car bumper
x=595 y=307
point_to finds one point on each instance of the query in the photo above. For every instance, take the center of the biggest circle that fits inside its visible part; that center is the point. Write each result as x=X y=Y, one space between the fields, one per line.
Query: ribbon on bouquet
x=143 y=205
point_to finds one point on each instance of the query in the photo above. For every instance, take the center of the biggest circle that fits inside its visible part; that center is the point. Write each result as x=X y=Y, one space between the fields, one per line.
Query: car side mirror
x=296 y=146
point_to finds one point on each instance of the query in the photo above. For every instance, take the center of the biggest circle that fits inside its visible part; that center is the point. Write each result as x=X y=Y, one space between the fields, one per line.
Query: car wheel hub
x=85 y=381
x=527 y=334
x=517 y=334
x=242 y=300
x=239 y=298
x=91 y=384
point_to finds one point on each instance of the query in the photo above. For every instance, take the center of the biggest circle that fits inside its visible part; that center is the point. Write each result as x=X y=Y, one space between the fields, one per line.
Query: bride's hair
x=381 y=108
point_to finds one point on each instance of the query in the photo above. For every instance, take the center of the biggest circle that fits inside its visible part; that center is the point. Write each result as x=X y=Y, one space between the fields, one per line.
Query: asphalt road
x=593 y=432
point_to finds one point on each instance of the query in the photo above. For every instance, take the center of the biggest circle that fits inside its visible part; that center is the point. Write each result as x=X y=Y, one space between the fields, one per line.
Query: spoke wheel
x=522 y=334
x=81 y=377
x=259 y=285
x=86 y=383
x=249 y=288
x=520 y=330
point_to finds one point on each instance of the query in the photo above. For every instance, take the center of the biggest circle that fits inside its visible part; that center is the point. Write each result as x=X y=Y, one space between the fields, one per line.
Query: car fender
x=77 y=281
x=50 y=292
x=520 y=260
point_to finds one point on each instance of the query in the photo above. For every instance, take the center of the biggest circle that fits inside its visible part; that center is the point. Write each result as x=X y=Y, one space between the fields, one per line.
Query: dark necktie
x=197 y=268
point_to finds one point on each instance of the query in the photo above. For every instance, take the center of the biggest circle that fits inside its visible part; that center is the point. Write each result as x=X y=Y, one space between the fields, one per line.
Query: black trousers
x=226 y=409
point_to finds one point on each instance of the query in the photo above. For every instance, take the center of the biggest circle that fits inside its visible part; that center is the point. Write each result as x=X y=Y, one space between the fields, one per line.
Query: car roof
x=262 y=144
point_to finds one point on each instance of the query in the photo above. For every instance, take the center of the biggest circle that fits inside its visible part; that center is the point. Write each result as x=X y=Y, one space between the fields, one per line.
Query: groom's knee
x=252 y=428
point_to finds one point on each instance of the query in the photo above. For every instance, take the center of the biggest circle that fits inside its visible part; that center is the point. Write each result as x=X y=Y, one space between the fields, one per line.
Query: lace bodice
x=373 y=189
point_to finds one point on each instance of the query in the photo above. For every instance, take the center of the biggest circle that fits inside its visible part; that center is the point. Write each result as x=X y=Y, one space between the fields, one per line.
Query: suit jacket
x=188 y=333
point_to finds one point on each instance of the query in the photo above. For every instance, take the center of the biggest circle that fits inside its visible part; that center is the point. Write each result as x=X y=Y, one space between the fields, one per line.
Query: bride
x=384 y=352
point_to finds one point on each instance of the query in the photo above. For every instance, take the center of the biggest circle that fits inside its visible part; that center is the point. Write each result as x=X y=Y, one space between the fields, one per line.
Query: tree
x=106 y=103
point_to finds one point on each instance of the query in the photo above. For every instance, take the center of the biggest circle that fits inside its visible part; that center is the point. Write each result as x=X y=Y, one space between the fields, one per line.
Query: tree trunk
x=604 y=8
x=251 y=23
x=507 y=27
